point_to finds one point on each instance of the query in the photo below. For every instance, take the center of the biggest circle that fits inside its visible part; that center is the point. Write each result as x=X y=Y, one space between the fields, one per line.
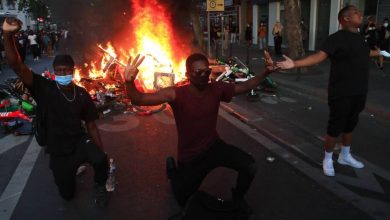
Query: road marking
x=10 y=197
x=10 y=141
x=375 y=208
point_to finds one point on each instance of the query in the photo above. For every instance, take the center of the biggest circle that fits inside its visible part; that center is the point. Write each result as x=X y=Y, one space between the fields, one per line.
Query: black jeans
x=64 y=167
x=189 y=176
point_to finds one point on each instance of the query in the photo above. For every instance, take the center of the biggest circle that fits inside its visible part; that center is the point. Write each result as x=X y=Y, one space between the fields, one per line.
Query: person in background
x=33 y=44
x=277 y=32
x=262 y=34
x=233 y=33
x=383 y=40
x=248 y=35
x=226 y=40
x=304 y=32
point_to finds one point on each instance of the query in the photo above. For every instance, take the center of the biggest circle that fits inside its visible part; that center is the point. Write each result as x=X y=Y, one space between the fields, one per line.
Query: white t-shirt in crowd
x=32 y=39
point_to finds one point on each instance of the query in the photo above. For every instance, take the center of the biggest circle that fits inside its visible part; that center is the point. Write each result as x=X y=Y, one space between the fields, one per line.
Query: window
x=11 y=4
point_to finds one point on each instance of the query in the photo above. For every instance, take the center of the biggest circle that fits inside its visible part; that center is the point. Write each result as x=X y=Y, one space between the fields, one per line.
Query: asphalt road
x=289 y=127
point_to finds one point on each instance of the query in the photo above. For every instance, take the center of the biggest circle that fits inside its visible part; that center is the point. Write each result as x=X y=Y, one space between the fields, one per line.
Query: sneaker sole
x=347 y=164
x=328 y=174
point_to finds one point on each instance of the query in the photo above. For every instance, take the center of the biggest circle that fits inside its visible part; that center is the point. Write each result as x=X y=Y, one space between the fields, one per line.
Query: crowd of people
x=37 y=43
x=377 y=36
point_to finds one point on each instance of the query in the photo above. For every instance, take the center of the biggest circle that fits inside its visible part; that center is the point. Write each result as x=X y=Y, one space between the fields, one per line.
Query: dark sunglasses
x=200 y=71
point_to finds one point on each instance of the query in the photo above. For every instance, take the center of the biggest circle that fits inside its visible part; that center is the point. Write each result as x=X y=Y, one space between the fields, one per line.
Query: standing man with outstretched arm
x=64 y=106
x=195 y=108
x=347 y=90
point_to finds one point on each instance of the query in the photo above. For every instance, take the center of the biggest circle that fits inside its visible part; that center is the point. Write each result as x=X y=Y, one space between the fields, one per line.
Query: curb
x=371 y=109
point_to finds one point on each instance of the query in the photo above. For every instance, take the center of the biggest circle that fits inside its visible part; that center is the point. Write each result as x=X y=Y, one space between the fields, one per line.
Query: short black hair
x=63 y=60
x=193 y=58
x=344 y=12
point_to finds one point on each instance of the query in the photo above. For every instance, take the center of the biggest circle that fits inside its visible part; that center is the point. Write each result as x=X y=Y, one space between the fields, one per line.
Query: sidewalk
x=314 y=81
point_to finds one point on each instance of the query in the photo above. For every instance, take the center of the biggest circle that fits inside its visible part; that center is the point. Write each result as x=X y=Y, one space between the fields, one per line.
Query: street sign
x=215 y=5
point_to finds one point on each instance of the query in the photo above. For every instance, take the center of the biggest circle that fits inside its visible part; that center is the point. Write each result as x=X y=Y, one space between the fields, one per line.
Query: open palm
x=286 y=64
x=131 y=70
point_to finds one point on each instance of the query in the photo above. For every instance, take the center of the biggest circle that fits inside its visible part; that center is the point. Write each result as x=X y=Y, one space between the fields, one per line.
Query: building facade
x=320 y=16
x=10 y=9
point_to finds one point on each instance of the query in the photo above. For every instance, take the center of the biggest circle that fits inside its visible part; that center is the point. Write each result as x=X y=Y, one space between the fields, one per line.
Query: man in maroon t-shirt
x=195 y=108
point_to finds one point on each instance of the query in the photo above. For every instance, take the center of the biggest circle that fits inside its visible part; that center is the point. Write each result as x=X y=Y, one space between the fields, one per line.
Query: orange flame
x=154 y=38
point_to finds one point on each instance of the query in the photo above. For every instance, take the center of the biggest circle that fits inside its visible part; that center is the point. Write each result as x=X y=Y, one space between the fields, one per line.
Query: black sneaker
x=101 y=196
x=170 y=167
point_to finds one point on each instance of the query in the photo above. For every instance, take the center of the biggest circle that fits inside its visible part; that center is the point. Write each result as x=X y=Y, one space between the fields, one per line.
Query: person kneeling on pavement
x=195 y=107
x=64 y=106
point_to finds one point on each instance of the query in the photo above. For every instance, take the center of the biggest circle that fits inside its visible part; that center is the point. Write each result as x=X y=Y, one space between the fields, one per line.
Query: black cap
x=63 y=60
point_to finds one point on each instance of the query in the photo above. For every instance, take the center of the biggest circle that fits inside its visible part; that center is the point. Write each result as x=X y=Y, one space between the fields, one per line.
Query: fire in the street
x=154 y=38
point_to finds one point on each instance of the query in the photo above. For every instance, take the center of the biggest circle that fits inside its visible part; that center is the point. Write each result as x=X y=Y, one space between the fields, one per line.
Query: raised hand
x=12 y=25
x=286 y=64
x=269 y=63
x=131 y=69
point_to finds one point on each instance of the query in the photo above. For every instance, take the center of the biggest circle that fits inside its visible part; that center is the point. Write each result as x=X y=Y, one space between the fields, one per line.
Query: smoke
x=89 y=22
x=92 y=22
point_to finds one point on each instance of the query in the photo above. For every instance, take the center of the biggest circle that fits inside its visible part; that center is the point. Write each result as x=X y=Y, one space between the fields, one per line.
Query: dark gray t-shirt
x=349 y=56
x=63 y=118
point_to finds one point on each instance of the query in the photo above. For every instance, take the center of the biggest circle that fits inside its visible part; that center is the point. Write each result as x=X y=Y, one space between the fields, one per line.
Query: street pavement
x=288 y=127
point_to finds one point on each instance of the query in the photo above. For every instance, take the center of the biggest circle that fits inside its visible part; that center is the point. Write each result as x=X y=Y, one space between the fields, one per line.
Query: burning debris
x=151 y=34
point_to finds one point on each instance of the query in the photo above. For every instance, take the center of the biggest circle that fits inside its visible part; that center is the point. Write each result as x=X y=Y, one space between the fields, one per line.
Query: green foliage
x=36 y=8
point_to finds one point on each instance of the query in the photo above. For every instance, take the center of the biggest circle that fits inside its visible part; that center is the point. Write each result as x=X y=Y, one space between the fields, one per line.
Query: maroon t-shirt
x=196 y=118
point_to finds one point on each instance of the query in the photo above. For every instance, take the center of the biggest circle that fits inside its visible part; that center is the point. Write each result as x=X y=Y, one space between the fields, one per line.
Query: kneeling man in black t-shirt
x=347 y=90
x=65 y=105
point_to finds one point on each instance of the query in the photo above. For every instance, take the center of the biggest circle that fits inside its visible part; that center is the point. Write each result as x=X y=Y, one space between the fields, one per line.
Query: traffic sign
x=215 y=5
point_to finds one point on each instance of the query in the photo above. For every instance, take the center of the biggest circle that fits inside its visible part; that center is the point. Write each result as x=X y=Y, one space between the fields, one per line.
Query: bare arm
x=139 y=98
x=93 y=131
x=10 y=27
x=255 y=81
x=375 y=53
x=251 y=83
x=307 y=61
x=159 y=97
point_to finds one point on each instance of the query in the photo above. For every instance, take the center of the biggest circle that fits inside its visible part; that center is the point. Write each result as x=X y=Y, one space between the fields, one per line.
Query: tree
x=293 y=29
x=194 y=15
x=36 y=8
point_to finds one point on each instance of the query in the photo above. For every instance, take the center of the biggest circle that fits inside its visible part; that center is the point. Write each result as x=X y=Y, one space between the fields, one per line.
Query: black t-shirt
x=64 y=118
x=349 y=55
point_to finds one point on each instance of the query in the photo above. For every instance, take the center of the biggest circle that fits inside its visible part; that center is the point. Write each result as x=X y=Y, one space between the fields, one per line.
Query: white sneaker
x=350 y=161
x=327 y=167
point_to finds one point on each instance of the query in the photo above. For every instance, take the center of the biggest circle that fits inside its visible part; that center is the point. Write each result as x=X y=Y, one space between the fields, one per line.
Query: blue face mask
x=64 y=80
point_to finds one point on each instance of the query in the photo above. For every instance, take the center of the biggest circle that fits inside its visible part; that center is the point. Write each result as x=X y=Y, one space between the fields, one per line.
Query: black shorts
x=344 y=114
